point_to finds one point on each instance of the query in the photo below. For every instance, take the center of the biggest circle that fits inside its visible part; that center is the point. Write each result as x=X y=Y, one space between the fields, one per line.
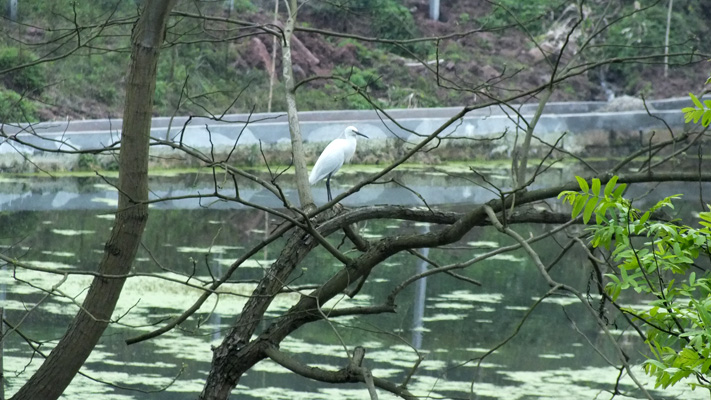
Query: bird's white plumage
x=338 y=152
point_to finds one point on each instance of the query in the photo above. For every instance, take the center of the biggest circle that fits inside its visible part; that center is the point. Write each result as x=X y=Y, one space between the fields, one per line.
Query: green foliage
x=592 y=200
x=15 y=108
x=655 y=259
x=90 y=81
x=87 y=162
x=22 y=80
x=245 y=6
x=385 y=19
x=208 y=81
x=455 y=52
x=633 y=29
x=62 y=13
x=364 y=79
x=89 y=74
x=366 y=56
x=642 y=32
x=698 y=112
x=529 y=13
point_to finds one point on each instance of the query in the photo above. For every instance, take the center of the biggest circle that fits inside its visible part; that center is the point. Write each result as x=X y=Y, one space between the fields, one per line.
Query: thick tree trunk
x=58 y=370
x=228 y=363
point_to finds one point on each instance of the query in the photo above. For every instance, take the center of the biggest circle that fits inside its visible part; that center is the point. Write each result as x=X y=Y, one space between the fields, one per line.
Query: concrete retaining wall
x=589 y=126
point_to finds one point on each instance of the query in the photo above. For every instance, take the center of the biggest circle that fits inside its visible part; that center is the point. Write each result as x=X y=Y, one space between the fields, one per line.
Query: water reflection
x=449 y=321
x=45 y=194
x=420 y=295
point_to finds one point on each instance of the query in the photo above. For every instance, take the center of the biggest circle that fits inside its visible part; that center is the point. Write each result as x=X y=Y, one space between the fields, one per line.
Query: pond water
x=63 y=223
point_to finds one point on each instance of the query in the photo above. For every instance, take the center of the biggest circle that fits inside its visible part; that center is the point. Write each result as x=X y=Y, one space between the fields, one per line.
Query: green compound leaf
x=610 y=186
x=583 y=184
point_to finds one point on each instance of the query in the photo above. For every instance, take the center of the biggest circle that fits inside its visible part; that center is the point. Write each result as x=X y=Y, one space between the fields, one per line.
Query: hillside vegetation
x=222 y=68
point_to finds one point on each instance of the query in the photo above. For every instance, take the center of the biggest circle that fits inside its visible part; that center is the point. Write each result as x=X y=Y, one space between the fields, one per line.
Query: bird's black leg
x=328 y=187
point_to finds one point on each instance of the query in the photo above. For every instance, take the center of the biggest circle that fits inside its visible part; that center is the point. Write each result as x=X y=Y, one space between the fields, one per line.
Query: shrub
x=30 y=79
x=15 y=108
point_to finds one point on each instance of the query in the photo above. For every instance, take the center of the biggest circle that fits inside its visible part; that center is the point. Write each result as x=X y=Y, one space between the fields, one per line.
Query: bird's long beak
x=358 y=133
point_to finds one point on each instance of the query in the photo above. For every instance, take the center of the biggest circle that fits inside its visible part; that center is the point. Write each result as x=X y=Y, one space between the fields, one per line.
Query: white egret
x=338 y=152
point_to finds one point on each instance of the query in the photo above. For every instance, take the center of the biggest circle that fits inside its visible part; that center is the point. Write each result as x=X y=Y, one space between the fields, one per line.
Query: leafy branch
x=656 y=259
x=700 y=111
